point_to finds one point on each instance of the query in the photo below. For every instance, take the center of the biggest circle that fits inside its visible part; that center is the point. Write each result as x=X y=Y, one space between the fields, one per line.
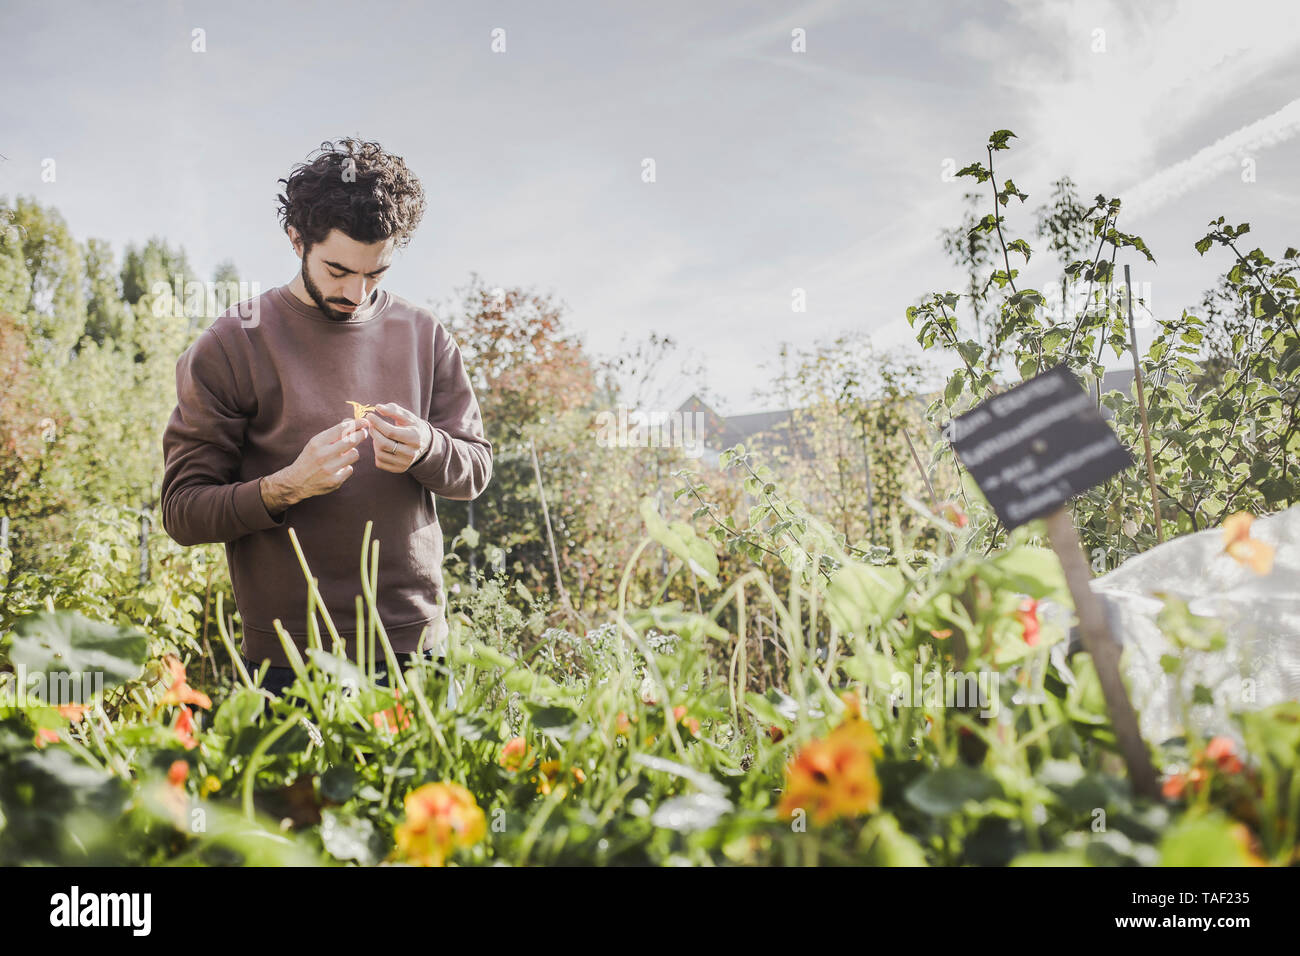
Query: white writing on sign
x=1026 y=429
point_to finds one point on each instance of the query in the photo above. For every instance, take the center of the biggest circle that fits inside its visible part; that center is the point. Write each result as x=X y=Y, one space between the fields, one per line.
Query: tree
x=844 y=448
x=56 y=308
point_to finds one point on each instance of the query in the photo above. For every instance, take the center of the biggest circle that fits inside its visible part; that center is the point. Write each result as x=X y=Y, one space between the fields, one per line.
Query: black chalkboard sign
x=1034 y=447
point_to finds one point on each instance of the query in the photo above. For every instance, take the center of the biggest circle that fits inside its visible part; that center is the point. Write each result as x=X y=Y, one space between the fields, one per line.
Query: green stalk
x=373 y=600
x=299 y=669
x=250 y=773
x=311 y=583
x=367 y=587
x=313 y=629
x=235 y=657
x=361 y=626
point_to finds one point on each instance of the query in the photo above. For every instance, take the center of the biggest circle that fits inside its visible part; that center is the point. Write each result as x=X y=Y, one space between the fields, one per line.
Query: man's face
x=341 y=274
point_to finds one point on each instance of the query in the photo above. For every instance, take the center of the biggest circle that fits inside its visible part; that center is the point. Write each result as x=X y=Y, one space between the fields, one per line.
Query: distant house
x=718 y=432
x=1120 y=380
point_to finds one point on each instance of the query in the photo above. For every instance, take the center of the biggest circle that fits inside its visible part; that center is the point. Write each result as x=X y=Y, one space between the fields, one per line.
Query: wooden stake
x=1142 y=407
x=550 y=537
x=1104 y=651
x=934 y=502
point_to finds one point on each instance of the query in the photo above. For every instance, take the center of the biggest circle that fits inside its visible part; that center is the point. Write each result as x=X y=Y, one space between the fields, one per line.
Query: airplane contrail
x=1224 y=154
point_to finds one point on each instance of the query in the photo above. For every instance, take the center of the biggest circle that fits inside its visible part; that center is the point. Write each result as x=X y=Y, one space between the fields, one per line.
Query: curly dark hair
x=356 y=187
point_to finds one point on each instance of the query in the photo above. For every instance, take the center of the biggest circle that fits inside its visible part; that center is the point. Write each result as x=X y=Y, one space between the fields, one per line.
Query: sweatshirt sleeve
x=202 y=498
x=458 y=463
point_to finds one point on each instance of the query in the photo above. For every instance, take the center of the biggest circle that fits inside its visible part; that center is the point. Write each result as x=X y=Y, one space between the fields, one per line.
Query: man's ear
x=296 y=239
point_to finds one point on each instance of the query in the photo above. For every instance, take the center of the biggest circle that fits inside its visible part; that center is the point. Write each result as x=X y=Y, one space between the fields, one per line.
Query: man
x=265 y=435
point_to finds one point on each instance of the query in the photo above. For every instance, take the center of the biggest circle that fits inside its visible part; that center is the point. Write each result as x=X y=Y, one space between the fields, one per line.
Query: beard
x=313 y=290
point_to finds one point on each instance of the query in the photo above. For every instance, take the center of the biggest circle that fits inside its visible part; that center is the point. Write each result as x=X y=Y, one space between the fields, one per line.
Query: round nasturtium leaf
x=66 y=643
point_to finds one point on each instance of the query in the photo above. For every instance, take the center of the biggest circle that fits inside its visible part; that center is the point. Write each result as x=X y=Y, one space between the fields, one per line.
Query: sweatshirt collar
x=361 y=317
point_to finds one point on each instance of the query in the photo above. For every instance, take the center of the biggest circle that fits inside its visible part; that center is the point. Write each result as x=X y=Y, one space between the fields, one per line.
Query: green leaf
x=337 y=666
x=337 y=784
x=1029 y=570
x=947 y=790
x=240 y=709
x=861 y=596
x=347 y=837
x=700 y=779
x=472 y=728
x=680 y=539
x=671 y=619
x=955 y=386
x=1209 y=840
x=697 y=811
x=555 y=722
x=85 y=651
x=890 y=846
x=482 y=656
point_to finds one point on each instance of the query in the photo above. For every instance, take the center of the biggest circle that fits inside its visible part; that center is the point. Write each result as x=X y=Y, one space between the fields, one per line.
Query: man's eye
x=334 y=275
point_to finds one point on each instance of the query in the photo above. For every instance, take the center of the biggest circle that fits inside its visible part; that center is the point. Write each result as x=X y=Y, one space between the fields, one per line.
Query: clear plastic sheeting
x=1260 y=614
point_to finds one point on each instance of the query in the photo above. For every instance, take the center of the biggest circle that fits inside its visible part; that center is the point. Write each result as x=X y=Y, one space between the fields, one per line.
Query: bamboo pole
x=1142 y=407
x=550 y=537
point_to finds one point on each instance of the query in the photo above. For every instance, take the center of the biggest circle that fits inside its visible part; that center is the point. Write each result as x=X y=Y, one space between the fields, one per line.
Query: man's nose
x=359 y=289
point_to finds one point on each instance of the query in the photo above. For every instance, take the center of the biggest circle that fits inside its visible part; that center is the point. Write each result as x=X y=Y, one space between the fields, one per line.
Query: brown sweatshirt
x=251 y=391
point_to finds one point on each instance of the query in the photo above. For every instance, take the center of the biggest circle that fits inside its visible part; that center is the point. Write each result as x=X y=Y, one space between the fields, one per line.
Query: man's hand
x=400 y=442
x=323 y=465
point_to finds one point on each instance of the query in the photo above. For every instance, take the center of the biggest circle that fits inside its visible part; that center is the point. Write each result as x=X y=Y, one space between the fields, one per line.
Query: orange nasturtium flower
x=47 y=735
x=1224 y=754
x=515 y=756
x=835 y=776
x=1027 y=614
x=1245 y=550
x=690 y=723
x=359 y=410
x=623 y=724
x=1220 y=755
x=73 y=712
x=395 y=718
x=440 y=817
x=177 y=773
x=548 y=773
x=180 y=692
x=184 y=727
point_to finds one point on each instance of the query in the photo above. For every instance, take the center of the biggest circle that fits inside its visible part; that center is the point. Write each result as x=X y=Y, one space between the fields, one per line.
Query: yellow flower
x=1245 y=550
x=440 y=817
x=836 y=776
x=548 y=774
x=359 y=410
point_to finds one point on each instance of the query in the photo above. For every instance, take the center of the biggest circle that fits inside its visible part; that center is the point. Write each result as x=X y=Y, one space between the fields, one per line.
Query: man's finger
x=339 y=431
x=381 y=426
x=406 y=416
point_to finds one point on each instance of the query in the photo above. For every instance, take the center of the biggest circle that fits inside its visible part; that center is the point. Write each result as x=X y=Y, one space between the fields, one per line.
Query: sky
x=825 y=169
